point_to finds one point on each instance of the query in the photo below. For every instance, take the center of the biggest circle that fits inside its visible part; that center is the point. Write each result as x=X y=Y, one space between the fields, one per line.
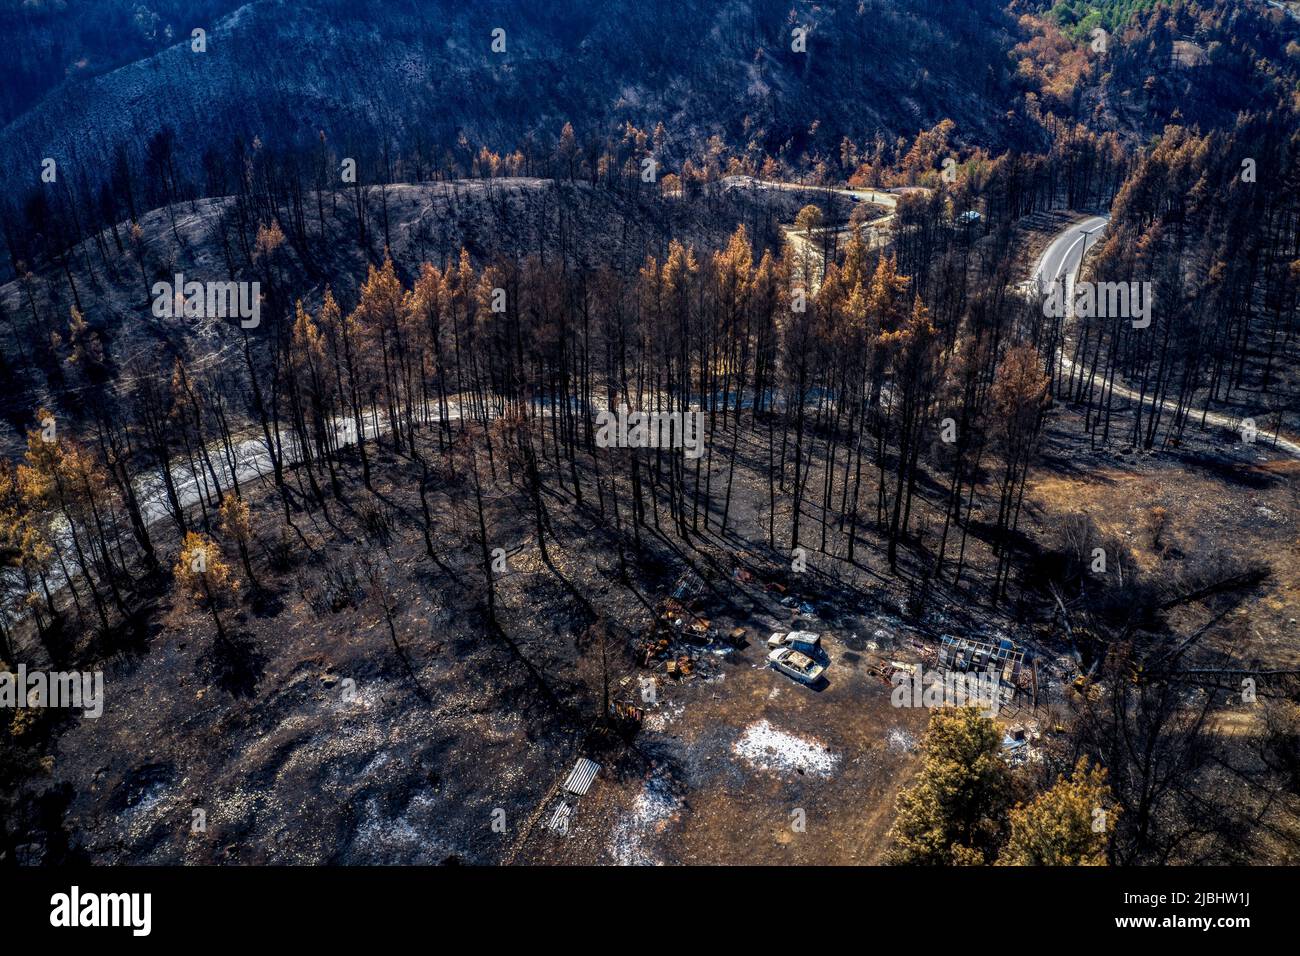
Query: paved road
x=1064 y=254
x=878 y=197
x=809 y=251
x=252 y=461
x=1061 y=261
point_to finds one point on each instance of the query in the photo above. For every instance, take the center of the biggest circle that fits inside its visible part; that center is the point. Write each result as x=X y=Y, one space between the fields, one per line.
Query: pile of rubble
x=677 y=622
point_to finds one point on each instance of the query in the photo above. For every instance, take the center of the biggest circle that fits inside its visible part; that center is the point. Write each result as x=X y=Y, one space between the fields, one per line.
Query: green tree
x=956 y=811
x=1067 y=825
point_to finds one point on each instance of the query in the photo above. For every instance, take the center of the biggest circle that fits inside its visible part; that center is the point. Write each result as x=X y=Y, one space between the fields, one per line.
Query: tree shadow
x=265 y=603
x=234 y=664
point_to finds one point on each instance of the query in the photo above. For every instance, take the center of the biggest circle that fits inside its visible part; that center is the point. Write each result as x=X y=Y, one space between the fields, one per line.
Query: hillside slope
x=427 y=222
x=284 y=72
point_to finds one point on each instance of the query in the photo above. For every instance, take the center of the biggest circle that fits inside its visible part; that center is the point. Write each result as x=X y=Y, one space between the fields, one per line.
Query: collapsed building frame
x=1004 y=660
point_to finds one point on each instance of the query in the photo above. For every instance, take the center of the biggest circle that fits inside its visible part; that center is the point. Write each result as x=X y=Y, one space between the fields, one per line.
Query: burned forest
x=678 y=433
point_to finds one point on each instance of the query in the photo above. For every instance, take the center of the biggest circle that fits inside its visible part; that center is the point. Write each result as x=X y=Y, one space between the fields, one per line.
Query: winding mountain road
x=1061 y=262
x=808 y=251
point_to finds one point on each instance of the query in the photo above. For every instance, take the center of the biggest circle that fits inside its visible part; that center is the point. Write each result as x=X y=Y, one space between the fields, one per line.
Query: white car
x=805 y=641
x=796 y=664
